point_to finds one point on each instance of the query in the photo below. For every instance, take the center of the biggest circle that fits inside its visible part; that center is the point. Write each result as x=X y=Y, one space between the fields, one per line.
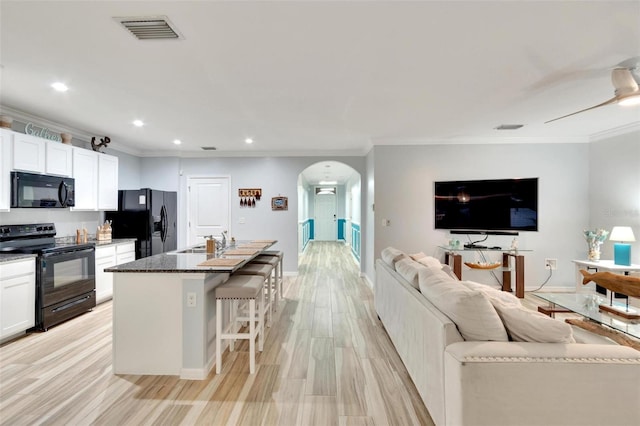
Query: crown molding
x=618 y=131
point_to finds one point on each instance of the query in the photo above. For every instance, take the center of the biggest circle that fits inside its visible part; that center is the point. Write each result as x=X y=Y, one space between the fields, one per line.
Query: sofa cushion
x=525 y=325
x=470 y=310
x=409 y=271
x=391 y=255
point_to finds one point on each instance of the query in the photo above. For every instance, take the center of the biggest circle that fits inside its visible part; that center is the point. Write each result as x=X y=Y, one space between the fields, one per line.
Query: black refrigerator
x=149 y=216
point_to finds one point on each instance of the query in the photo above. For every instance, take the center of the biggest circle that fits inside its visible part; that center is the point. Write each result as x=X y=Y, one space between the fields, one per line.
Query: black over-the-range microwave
x=41 y=191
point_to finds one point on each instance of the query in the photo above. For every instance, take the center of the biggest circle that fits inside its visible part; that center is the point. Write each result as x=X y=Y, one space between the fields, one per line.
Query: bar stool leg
x=252 y=334
x=261 y=322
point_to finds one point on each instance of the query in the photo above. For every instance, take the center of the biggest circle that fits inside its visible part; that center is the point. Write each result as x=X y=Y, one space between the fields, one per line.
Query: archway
x=329 y=199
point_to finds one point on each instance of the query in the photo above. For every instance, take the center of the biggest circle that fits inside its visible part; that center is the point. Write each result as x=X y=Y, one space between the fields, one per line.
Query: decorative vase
x=6 y=121
x=66 y=138
x=594 y=250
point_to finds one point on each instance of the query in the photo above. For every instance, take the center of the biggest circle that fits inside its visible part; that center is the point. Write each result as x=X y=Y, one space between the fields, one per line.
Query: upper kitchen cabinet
x=96 y=180
x=5 y=169
x=59 y=159
x=107 y=182
x=28 y=153
x=85 y=173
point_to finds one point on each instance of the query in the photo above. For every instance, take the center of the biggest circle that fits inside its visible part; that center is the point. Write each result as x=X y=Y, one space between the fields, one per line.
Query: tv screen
x=487 y=205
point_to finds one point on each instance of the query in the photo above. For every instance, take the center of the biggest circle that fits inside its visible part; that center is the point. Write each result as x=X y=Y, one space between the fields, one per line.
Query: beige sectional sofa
x=525 y=369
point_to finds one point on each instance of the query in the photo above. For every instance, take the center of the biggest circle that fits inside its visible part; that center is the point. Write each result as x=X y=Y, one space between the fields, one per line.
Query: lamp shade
x=623 y=234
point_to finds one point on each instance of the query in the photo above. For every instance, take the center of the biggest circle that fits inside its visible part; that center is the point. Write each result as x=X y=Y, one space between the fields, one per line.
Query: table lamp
x=623 y=235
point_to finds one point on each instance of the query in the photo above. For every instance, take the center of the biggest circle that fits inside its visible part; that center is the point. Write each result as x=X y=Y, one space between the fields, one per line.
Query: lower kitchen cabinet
x=107 y=257
x=17 y=297
x=125 y=253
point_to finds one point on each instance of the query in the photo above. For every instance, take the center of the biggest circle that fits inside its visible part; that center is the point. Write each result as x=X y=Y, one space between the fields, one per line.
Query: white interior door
x=209 y=207
x=325 y=218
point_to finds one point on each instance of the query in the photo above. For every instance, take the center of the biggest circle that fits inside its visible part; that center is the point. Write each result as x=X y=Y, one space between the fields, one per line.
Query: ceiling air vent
x=150 y=27
x=509 y=126
x=209 y=148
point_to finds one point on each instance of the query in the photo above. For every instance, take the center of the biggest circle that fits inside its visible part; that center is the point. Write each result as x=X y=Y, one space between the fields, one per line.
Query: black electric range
x=65 y=272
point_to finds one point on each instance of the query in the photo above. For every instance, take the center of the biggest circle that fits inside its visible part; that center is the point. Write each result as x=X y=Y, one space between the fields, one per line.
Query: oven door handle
x=70 y=250
x=63 y=201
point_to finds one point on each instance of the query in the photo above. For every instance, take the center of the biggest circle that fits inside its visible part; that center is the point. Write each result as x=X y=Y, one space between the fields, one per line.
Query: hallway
x=327 y=361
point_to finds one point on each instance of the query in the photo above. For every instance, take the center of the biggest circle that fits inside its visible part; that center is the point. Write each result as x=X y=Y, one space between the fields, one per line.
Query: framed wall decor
x=279 y=203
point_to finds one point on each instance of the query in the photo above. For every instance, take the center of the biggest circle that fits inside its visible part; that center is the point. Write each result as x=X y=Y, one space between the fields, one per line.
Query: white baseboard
x=367 y=280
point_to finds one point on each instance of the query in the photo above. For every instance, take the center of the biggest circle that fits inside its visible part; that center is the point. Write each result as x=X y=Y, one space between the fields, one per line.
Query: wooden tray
x=241 y=252
x=220 y=261
x=483 y=266
x=264 y=241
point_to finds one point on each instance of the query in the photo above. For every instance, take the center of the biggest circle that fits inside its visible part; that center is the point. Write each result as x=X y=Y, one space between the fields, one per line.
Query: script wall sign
x=41 y=132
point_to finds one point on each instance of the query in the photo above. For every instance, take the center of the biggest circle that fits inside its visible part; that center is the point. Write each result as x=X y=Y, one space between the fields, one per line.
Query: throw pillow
x=416 y=256
x=492 y=293
x=391 y=255
x=430 y=261
x=470 y=310
x=524 y=325
x=432 y=276
x=447 y=269
x=409 y=271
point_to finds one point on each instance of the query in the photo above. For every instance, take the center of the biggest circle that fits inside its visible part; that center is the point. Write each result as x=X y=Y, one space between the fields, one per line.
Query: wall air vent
x=209 y=148
x=509 y=126
x=150 y=27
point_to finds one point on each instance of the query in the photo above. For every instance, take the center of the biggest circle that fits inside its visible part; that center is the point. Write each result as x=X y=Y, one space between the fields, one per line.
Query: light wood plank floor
x=327 y=360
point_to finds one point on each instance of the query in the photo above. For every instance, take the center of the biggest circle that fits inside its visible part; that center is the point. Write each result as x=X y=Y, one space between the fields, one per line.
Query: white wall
x=368 y=216
x=614 y=184
x=404 y=181
x=277 y=176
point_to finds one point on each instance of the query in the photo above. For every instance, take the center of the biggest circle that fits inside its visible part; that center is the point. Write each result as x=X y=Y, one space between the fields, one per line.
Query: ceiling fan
x=626 y=92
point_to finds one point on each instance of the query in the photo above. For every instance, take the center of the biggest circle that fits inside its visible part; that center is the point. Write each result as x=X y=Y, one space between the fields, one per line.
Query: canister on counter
x=211 y=244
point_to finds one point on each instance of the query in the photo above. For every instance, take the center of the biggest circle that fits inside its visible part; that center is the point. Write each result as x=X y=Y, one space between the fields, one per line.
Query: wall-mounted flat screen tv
x=487 y=205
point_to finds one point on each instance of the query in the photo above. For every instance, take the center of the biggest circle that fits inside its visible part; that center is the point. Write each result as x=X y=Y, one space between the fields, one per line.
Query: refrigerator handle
x=163 y=224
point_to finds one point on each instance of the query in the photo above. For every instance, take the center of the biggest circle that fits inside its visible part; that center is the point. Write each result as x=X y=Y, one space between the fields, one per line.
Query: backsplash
x=66 y=221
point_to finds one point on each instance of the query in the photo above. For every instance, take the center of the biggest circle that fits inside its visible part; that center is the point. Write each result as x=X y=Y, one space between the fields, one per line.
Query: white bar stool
x=264 y=271
x=280 y=255
x=276 y=285
x=237 y=288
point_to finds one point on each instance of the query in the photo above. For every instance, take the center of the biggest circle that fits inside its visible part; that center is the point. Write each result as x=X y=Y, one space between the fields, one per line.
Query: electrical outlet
x=191 y=300
x=551 y=264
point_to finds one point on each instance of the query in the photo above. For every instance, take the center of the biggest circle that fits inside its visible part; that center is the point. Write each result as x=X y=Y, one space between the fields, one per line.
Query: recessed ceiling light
x=60 y=87
x=138 y=123
x=177 y=141
x=327 y=182
x=248 y=140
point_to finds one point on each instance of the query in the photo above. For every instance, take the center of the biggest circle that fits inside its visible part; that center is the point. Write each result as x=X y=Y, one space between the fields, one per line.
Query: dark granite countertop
x=113 y=242
x=178 y=262
x=12 y=257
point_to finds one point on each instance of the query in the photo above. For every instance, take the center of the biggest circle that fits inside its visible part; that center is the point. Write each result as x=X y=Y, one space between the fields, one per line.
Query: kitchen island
x=164 y=311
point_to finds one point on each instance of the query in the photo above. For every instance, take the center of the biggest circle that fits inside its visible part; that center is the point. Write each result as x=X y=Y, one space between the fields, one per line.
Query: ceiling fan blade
x=623 y=81
x=610 y=101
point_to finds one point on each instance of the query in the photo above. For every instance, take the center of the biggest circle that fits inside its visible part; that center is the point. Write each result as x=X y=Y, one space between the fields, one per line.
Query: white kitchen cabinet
x=58 y=159
x=17 y=297
x=85 y=173
x=6 y=138
x=107 y=182
x=105 y=258
x=96 y=180
x=125 y=253
x=28 y=153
